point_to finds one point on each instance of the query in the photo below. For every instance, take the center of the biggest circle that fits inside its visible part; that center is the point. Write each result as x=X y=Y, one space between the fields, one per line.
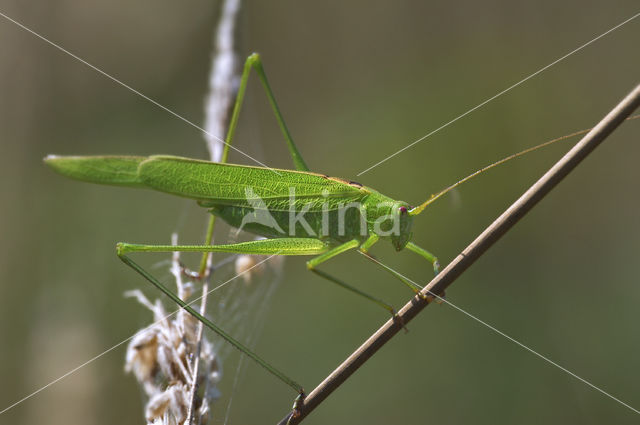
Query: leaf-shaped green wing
x=113 y=170
x=240 y=185
x=212 y=183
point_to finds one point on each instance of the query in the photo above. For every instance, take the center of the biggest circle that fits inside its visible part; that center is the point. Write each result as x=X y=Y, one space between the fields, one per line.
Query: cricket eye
x=403 y=210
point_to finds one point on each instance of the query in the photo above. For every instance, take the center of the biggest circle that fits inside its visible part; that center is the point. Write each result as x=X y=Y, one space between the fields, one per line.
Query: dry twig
x=477 y=248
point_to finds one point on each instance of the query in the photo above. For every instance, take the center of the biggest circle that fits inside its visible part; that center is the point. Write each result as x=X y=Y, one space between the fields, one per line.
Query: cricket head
x=390 y=219
x=400 y=238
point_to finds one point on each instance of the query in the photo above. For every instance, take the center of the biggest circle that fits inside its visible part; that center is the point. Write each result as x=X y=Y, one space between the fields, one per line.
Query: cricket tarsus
x=188 y=273
x=296 y=409
x=234 y=192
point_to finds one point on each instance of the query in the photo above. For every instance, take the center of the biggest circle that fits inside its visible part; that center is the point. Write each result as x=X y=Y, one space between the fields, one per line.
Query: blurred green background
x=356 y=81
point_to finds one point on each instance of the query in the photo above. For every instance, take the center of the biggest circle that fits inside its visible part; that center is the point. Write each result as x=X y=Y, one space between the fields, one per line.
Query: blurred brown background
x=356 y=81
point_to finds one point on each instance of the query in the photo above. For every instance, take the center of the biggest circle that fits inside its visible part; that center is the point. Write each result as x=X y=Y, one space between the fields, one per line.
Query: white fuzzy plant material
x=161 y=358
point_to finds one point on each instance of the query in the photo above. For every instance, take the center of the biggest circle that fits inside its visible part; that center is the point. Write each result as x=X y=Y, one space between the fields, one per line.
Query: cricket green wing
x=112 y=170
x=239 y=185
x=210 y=182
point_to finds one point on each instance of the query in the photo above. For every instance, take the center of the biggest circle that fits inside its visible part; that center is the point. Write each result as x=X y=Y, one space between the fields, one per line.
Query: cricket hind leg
x=285 y=246
x=155 y=282
x=254 y=62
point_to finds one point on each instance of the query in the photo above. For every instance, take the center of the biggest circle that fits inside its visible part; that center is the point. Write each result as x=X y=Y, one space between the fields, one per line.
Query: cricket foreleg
x=364 y=249
x=425 y=254
x=434 y=262
x=412 y=285
x=313 y=263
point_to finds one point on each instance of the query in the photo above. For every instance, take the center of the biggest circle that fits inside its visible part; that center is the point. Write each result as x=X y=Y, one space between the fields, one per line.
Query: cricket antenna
x=417 y=210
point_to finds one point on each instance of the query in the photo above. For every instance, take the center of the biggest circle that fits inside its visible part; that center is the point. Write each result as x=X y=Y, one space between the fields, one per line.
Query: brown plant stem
x=470 y=254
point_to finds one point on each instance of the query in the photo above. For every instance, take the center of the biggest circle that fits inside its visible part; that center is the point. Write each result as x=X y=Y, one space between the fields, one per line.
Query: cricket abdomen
x=336 y=225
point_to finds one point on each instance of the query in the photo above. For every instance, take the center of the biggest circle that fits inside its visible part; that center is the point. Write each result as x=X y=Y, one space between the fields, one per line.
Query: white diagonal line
x=114 y=79
x=77 y=368
x=532 y=351
x=499 y=332
x=499 y=94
